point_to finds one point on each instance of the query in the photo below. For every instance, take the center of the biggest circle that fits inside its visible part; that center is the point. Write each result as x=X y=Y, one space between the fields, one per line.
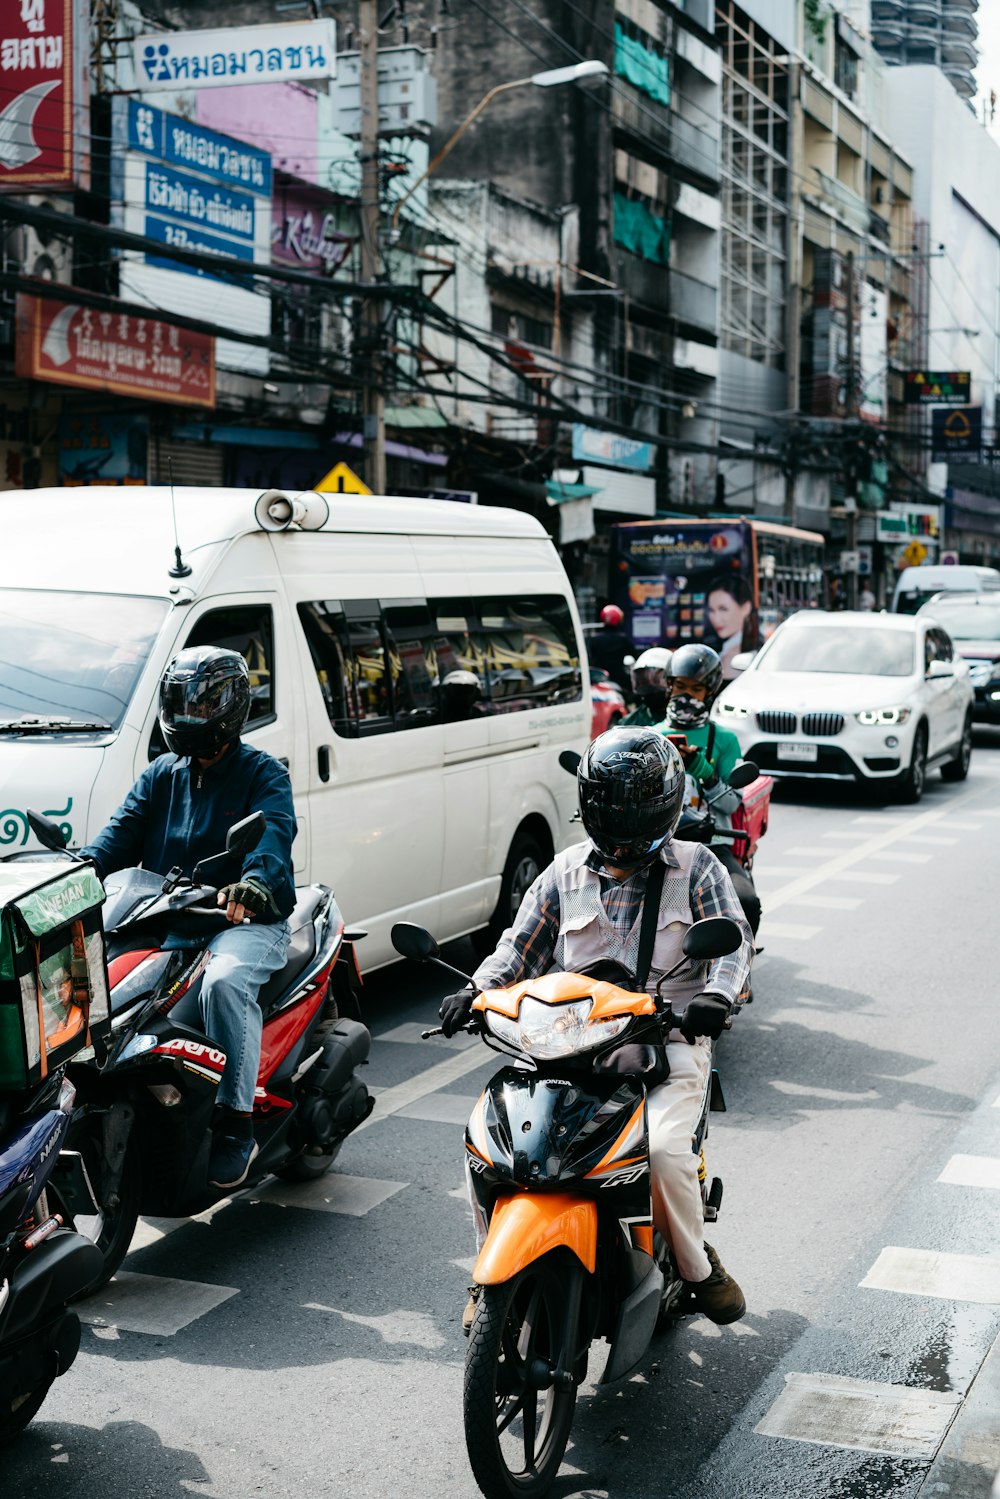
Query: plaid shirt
x=527 y=948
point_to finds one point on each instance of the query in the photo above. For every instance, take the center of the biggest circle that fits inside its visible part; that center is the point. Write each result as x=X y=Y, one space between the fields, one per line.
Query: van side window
x=531 y=653
x=461 y=660
x=249 y=629
x=409 y=634
x=351 y=661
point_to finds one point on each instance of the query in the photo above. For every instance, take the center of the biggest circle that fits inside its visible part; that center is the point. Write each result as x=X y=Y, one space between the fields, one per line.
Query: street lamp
x=551 y=78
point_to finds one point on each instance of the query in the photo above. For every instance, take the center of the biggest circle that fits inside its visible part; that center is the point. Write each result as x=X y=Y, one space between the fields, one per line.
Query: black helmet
x=204 y=700
x=650 y=673
x=631 y=784
x=693 y=663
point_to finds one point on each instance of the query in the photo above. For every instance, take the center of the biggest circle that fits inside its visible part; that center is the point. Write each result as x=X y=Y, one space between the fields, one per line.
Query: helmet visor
x=188 y=704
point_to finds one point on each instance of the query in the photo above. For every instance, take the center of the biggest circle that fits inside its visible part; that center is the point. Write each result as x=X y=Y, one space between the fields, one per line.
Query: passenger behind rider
x=586 y=907
x=650 y=675
x=178 y=812
x=710 y=754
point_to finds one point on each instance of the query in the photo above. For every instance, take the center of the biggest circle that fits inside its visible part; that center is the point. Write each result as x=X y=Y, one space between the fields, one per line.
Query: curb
x=968 y=1459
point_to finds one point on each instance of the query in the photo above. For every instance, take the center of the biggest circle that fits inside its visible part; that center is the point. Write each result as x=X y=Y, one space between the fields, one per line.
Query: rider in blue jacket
x=178 y=812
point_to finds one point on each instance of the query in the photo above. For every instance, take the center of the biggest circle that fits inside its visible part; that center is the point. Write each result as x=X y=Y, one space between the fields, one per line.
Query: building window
x=754 y=188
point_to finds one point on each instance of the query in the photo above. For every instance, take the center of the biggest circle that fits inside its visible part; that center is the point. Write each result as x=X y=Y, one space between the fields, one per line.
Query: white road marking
x=441 y=1108
x=152 y=1230
x=926 y=1272
x=789 y=929
x=932 y=838
x=333 y=1193
x=766 y=872
x=154 y=1304
x=825 y=1095
x=413 y=1328
x=856 y=877
x=808 y=851
x=465 y=1265
x=972 y=1171
x=901 y=856
x=879 y=819
x=429 y=1081
x=409 y=1034
x=860 y=1414
x=846 y=837
x=828 y=902
x=989 y=811
x=964 y=827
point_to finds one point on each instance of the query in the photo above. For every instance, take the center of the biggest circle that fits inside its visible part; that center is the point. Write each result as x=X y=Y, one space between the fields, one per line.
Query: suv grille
x=773 y=721
x=822 y=725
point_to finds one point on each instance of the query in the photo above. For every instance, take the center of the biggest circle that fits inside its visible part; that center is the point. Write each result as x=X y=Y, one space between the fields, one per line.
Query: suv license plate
x=807 y=753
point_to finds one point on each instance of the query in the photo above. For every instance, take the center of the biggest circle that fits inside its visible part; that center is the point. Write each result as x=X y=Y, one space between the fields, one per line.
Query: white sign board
x=288 y=51
x=629 y=494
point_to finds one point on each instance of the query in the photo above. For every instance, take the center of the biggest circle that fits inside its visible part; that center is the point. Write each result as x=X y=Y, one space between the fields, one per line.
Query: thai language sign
x=44 y=93
x=590 y=445
x=293 y=50
x=97 y=350
x=188 y=187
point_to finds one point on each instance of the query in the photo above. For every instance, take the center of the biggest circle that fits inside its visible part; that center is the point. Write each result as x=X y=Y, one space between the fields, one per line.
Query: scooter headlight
x=547 y=1031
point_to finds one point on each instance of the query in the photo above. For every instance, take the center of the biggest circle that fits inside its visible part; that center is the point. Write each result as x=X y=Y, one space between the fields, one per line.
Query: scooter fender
x=528 y=1225
x=346 y=1047
x=51 y=1275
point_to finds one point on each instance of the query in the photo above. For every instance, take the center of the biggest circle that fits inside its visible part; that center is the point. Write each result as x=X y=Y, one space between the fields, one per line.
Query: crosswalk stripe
x=429 y=1081
x=441 y=1108
x=864 y=877
x=409 y=1034
x=846 y=837
x=901 y=856
x=154 y=1304
x=333 y=1193
x=788 y=929
x=931 y=838
x=972 y=1171
x=928 y=1272
x=860 y=1414
x=827 y=902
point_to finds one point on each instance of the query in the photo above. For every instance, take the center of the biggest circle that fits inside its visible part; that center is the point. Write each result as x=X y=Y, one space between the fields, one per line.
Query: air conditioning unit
x=41 y=252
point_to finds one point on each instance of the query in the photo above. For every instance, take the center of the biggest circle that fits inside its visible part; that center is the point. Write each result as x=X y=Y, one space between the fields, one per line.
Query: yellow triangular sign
x=341 y=480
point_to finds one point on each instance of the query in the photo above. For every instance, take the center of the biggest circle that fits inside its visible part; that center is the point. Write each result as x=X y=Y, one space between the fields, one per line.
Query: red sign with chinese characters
x=44 y=93
x=132 y=356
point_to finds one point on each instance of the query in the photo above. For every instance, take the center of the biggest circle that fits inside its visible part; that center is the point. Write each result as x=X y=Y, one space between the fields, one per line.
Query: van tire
x=525 y=862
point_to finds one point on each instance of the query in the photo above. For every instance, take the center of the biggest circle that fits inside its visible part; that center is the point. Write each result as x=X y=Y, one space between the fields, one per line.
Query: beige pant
x=674 y=1109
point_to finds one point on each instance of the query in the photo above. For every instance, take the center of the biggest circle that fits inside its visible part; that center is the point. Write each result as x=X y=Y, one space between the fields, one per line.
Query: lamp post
x=591 y=68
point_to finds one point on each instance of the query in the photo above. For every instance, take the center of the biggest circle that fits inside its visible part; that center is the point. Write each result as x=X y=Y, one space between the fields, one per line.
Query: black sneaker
x=230 y=1162
x=718 y=1297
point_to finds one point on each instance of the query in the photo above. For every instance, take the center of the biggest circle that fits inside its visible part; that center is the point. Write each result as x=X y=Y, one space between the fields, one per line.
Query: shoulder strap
x=710 y=747
x=650 y=916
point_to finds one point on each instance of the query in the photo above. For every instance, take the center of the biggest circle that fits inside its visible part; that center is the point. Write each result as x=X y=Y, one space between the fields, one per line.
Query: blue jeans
x=242 y=959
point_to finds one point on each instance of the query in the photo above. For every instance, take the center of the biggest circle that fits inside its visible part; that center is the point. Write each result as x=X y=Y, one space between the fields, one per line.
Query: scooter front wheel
x=113 y=1230
x=517 y=1419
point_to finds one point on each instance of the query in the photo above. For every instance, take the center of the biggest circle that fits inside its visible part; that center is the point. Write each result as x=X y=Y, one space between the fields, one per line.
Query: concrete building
x=929 y=33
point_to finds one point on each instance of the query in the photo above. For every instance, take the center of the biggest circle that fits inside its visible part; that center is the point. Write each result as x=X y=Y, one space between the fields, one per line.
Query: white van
x=915 y=585
x=416 y=664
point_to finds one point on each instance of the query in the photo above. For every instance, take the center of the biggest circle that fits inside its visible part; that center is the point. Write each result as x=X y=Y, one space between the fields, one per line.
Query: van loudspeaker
x=277 y=511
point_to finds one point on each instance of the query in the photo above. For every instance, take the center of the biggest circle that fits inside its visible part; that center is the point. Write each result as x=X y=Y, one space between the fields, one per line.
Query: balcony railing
x=634 y=112
x=849 y=204
x=693 y=301
x=694 y=148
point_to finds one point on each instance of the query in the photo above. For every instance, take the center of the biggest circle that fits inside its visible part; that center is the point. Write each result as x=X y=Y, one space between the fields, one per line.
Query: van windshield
x=911 y=601
x=73 y=658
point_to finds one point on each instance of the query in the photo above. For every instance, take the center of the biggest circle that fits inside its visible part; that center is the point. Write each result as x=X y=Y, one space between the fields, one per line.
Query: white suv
x=838 y=697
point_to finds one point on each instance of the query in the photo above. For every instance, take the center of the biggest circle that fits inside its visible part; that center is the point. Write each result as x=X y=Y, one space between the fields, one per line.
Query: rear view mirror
x=715 y=937
x=743 y=775
x=940 y=669
x=741 y=660
x=48 y=833
x=245 y=835
x=570 y=760
x=412 y=941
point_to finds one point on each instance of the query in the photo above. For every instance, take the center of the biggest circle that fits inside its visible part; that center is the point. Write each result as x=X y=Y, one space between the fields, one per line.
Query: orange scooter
x=557 y=1152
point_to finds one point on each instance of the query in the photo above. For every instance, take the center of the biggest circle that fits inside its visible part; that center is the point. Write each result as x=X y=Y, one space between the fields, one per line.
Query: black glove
x=455 y=1010
x=705 y=1015
x=250 y=894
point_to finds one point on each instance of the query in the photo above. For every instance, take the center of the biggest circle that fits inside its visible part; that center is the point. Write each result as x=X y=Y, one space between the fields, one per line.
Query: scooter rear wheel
x=14 y=1418
x=516 y=1429
x=304 y=1167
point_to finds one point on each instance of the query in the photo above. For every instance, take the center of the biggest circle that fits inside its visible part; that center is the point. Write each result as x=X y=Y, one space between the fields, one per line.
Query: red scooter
x=143 y=1125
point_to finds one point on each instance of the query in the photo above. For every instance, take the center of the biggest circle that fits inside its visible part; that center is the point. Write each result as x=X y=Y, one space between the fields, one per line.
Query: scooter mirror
x=48 y=833
x=714 y=937
x=570 y=760
x=743 y=775
x=245 y=835
x=412 y=941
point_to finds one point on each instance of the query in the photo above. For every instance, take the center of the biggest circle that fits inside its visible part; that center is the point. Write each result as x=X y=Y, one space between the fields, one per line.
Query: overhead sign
x=189 y=187
x=341 y=480
x=914 y=555
x=44 y=93
x=284 y=52
x=131 y=356
x=918 y=521
x=957 y=433
x=304 y=230
x=593 y=446
x=942 y=387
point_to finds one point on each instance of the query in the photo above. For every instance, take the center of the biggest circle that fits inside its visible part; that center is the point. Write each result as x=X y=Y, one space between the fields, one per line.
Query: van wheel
x=525 y=863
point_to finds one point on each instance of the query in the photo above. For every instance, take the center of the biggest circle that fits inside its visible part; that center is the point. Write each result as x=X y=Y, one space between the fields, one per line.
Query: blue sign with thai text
x=591 y=445
x=188 y=237
x=172 y=139
x=192 y=200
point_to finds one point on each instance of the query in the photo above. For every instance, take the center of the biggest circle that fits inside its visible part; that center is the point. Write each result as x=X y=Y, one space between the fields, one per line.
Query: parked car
x=607 y=702
x=973 y=622
x=915 y=585
x=853 y=696
x=418 y=666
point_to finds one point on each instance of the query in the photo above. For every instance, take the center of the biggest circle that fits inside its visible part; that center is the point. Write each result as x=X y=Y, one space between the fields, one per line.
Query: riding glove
x=705 y=1015
x=700 y=767
x=251 y=894
x=456 y=1010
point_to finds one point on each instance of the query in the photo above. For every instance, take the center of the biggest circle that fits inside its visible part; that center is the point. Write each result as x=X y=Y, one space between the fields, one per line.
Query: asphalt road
x=308 y=1341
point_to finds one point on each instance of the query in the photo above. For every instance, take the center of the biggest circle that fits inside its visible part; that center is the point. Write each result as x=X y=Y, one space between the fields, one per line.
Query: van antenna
x=180 y=568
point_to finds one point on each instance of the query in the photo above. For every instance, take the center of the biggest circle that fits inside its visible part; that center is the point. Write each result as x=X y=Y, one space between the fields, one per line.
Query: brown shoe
x=469 y=1315
x=718 y=1297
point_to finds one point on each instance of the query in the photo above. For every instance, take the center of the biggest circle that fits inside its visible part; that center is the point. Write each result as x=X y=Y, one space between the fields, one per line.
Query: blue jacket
x=176 y=814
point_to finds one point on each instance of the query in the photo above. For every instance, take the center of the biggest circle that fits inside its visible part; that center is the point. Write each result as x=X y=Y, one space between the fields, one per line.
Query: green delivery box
x=53 y=976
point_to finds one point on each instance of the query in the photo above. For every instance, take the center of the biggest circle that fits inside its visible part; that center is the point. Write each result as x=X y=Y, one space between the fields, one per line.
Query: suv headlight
x=733 y=710
x=548 y=1031
x=883 y=718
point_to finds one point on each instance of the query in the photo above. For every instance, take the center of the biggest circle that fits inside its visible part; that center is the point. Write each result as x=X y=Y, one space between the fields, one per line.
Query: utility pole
x=373 y=373
x=851 y=498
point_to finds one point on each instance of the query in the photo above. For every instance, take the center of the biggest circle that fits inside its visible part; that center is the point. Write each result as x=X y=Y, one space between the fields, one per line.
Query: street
x=307 y=1339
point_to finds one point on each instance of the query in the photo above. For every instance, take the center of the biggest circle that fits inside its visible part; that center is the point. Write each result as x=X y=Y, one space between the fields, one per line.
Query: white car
x=840 y=697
